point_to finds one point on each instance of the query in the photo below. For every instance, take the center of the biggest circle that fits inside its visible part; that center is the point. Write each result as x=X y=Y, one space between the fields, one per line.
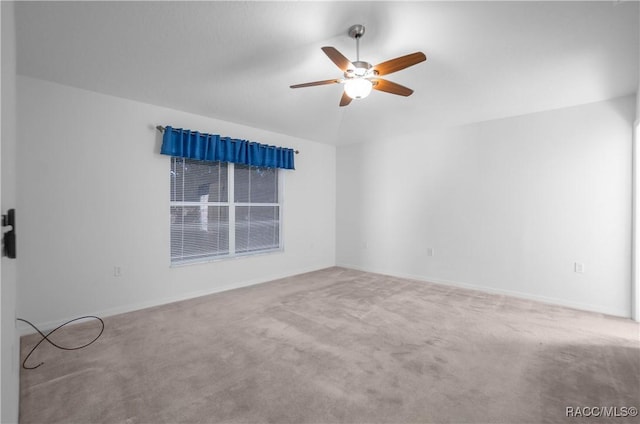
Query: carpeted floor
x=339 y=346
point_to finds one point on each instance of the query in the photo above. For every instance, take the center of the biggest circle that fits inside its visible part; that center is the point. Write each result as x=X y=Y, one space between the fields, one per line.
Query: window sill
x=211 y=259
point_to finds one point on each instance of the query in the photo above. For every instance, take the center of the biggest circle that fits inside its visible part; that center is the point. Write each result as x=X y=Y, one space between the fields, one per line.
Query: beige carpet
x=338 y=346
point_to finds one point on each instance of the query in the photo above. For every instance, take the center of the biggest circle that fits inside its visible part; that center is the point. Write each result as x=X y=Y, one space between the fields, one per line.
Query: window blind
x=221 y=209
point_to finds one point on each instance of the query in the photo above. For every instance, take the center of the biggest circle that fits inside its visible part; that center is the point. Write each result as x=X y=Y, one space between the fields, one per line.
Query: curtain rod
x=161 y=129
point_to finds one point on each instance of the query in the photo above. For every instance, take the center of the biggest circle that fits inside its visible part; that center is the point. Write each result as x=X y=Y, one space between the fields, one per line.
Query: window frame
x=231 y=204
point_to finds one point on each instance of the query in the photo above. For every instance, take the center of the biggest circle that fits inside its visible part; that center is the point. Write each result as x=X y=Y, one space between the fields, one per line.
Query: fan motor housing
x=360 y=69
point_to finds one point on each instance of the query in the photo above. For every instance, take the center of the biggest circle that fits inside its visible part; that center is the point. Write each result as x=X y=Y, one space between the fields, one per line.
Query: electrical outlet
x=578 y=267
x=430 y=251
x=117 y=272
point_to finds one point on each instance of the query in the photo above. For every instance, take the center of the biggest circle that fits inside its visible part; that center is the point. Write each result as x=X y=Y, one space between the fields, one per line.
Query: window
x=221 y=210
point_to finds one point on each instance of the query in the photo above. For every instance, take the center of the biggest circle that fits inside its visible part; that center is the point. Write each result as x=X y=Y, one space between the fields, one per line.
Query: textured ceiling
x=235 y=60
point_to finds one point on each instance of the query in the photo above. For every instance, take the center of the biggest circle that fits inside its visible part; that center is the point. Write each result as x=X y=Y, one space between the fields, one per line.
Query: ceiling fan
x=360 y=77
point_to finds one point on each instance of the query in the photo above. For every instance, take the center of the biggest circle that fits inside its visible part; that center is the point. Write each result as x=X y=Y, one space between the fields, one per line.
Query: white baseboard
x=25 y=329
x=486 y=289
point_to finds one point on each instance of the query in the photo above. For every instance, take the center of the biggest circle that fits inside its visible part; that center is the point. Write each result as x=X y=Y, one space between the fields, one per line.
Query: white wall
x=638 y=104
x=635 y=292
x=9 y=390
x=94 y=194
x=507 y=205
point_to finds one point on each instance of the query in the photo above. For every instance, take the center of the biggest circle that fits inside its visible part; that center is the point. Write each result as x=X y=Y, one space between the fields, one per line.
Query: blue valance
x=212 y=147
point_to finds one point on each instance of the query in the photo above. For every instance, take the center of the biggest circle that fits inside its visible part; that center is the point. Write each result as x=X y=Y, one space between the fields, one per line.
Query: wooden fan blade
x=399 y=63
x=345 y=100
x=311 y=84
x=338 y=58
x=390 y=87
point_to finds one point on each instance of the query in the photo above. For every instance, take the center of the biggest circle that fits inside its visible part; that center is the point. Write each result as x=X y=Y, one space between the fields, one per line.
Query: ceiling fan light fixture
x=361 y=77
x=358 y=88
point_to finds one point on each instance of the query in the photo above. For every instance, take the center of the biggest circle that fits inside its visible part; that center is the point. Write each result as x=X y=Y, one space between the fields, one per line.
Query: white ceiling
x=235 y=60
